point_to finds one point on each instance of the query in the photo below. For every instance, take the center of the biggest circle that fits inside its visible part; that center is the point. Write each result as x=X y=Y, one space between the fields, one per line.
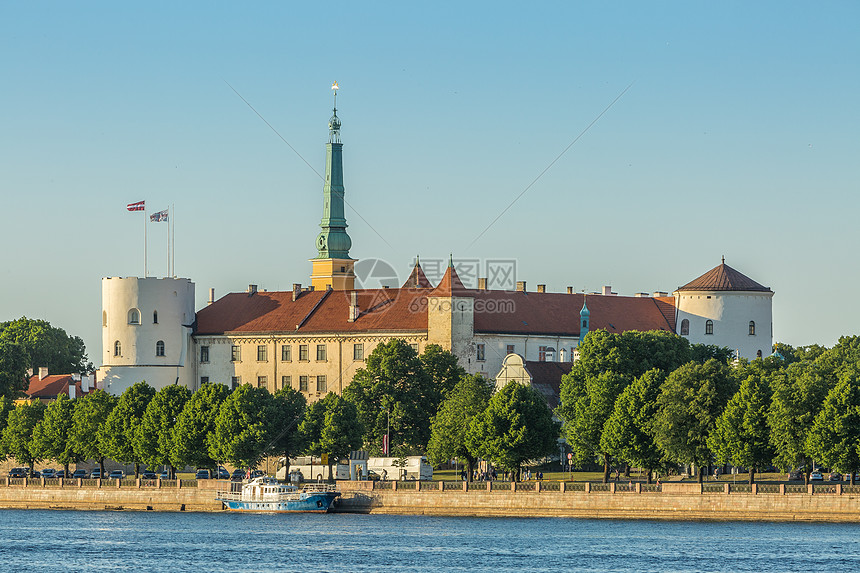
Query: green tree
x=117 y=435
x=798 y=394
x=90 y=415
x=394 y=386
x=835 y=435
x=742 y=435
x=194 y=425
x=288 y=409
x=450 y=426
x=52 y=435
x=701 y=353
x=443 y=368
x=691 y=399
x=17 y=438
x=47 y=345
x=153 y=438
x=628 y=433
x=331 y=426
x=6 y=406
x=515 y=427
x=13 y=369
x=242 y=428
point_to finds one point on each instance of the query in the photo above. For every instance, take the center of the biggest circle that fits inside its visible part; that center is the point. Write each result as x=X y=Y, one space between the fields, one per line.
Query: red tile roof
x=546 y=379
x=417 y=278
x=724 y=278
x=52 y=386
x=451 y=285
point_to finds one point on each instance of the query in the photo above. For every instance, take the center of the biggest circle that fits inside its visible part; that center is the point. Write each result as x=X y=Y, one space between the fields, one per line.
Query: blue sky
x=738 y=137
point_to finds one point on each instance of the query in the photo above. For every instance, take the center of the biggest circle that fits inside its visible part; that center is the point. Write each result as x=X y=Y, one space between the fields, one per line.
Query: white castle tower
x=724 y=307
x=146 y=332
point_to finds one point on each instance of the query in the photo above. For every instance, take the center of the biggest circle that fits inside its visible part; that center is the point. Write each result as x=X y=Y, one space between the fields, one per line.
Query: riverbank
x=668 y=501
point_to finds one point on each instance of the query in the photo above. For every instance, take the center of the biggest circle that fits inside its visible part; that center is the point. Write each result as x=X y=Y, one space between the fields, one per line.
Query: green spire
x=333 y=241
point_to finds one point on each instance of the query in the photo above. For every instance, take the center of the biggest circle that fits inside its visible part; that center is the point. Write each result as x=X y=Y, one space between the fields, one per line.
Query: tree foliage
x=394 y=386
x=47 y=345
x=835 y=435
x=288 y=410
x=450 y=426
x=444 y=370
x=153 y=437
x=331 y=426
x=13 y=369
x=515 y=427
x=52 y=436
x=194 y=425
x=90 y=415
x=117 y=435
x=242 y=428
x=17 y=438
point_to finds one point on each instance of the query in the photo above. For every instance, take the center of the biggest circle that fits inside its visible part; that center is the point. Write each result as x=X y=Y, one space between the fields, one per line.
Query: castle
x=314 y=338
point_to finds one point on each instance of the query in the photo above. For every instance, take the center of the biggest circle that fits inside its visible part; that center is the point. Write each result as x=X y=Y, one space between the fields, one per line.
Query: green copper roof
x=333 y=242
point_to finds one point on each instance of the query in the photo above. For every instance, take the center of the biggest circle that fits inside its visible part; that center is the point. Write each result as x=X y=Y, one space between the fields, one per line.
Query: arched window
x=159 y=348
x=117 y=348
x=154 y=317
x=752 y=328
x=758 y=354
x=685 y=327
x=104 y=318
x=134 y=316
x=709 y=327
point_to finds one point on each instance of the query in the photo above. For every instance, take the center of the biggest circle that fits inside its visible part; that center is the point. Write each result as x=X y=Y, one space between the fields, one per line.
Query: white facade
x=146 y=332
x=534 y=347
x=740 y=320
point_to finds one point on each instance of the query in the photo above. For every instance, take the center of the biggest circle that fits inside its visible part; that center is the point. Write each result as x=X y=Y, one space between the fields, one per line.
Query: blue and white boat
x=266 y=494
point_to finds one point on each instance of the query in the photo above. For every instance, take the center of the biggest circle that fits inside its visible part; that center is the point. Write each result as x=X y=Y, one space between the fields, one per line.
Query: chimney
x=541 y=288
x=76 y=377
x=211 y=295
x=482 y=283
x=521 y=286
x=72 y=391
x=297 y=291
x=569 y=290
x=252 y=290
x=607 y=291
x=43 y=372
x=85 y=384
x=29 y=372
x=641 y=295
x=659 y=293
x=353 y=307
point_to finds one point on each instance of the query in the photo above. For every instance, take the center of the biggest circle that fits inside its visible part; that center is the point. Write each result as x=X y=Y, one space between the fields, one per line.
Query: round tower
x=146 y=332
x=724 y=307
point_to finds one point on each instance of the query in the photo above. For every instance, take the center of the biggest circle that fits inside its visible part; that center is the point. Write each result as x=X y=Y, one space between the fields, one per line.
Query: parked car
x=223 y=473
x=80 y=474
x=49 y=473
x=372 y=476
x=816 y=476
x=18 y=473
x=148 y=475
x=165 y=474
x=835 y=476
x=202 y=474
x=257 y=473
x=60 y=474
x=117 y=474
x=795 y=475
x=96 y=474
x=35 y=475
x=238 y=475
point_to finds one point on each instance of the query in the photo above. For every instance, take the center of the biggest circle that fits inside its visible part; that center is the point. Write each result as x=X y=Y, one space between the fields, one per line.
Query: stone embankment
x=677 y=501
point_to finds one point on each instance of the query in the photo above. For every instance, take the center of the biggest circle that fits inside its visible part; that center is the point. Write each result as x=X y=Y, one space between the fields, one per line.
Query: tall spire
x=333 y=242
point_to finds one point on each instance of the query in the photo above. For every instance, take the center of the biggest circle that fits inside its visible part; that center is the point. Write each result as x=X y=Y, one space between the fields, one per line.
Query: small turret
x=584 y=319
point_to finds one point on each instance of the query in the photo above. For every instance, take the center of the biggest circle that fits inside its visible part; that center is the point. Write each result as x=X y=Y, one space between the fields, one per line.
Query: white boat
x=266 y=494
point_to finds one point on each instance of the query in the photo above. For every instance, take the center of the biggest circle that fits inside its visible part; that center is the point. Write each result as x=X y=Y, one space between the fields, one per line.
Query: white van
x=416 y=467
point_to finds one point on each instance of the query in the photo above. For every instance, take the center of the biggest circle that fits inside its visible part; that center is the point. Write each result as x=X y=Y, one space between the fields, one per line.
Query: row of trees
x=651 y=400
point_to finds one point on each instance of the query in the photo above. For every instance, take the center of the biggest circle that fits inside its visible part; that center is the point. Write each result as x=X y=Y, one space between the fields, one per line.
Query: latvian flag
x=139 y=206
x=159 y=217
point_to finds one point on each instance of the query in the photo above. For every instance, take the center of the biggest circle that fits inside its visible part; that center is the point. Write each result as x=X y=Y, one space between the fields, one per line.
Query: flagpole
x=144 y=242
x=173 y=245
x=168 y=242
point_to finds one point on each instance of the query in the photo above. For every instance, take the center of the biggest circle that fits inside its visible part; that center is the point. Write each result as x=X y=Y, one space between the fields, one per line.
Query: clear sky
x=738 y=137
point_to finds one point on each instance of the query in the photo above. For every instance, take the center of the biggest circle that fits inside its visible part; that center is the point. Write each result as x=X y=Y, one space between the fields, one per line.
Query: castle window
x=286 y=382
x=154 y=317
x=358 y=351
x=303 y=383
x=262 y=382
x=104 y=318
x=159 y=348
x=236 y=353
x=685 y=327
x=303 y=352
x=480 y=352
x=321 y=353
x=286 y=353
x=414 y=347
x=204 y=354
x=321 y=384
x=758 y=354
x=541 y=353
x=117 y=348
x=134 y=316
x=510 y=349
x=752 y=328
x=584 y=324
x=235 y=382
x=709 y=327
x=261 y=353
x=204 y=380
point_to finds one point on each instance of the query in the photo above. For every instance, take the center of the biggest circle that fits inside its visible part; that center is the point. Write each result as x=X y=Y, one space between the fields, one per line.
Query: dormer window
x=134 y=316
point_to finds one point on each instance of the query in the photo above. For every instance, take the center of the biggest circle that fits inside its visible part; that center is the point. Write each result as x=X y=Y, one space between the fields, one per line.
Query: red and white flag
x=139 y=206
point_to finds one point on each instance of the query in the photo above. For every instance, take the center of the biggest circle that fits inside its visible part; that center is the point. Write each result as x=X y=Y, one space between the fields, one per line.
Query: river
x=43 y=540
